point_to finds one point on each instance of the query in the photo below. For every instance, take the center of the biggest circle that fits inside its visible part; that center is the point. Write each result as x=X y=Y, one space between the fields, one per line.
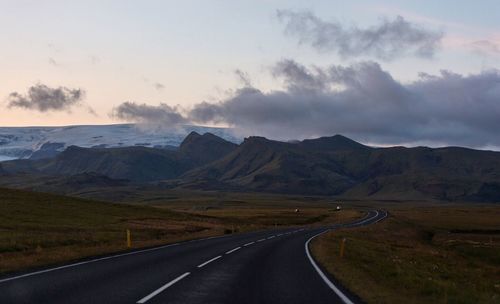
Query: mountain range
x=335 y=165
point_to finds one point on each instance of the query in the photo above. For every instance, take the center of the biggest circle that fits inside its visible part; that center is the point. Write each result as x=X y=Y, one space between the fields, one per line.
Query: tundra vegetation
x=421 y=253
x=40 y=229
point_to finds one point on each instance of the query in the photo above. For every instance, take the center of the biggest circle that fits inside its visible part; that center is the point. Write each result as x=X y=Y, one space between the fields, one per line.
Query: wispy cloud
x=415 y=17
x=459 y=36
x=243 y=78
x=386 y=41
x=94 y=59
x=53 y=62
x=487 y=47
x=158 y=86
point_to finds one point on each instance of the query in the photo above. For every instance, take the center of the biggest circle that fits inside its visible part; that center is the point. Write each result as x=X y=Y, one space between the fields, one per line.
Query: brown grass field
x=422 y=254
x=38 y=229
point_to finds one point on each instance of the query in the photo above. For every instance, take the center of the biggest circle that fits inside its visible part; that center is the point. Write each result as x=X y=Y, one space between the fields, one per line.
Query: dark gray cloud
x=360 y=100
x=386 y=41
x=43 y=98
x=298 y=77
x=147 y=115
x=365 y=102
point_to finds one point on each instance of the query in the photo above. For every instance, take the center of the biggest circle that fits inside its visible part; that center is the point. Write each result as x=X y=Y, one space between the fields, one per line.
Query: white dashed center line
x=233 y=250
x=248 y=244
x=156 y=292
x=271 y=237
x=209 y=261
x=261 y=240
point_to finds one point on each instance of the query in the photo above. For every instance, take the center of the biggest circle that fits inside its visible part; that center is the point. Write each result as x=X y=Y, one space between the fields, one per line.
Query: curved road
x=259 y=267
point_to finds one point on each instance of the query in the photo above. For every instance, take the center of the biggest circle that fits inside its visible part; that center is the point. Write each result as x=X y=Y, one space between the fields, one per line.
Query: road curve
x=259 y=267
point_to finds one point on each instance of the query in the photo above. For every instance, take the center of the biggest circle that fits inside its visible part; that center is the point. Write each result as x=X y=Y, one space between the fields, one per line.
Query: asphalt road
x=259 y=267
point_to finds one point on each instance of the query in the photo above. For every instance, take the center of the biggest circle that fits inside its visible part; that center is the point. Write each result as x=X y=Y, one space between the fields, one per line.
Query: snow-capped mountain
x=37 y=142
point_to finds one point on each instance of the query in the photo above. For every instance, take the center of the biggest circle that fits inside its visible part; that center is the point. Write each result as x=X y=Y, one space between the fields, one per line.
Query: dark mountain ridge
x=205 y=148
x=339 y=166
x=333 y=165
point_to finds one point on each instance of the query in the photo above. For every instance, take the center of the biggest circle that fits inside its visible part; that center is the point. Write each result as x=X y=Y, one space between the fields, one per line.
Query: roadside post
x=129 y=242
x=342 y=247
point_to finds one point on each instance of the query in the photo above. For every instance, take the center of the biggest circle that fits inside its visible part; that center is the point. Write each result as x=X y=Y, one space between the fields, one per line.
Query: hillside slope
x=337 y=165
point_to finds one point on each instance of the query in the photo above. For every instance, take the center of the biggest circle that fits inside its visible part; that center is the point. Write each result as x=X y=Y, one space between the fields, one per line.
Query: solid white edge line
x=156 y=292
x=233 y=250
x=383 y=217
x=106 y=258
x=365 y=220
x=209 y=261
x=337 y=291
x=332 y=286
x=248 y=244
x=85 y=262
x=125 y=254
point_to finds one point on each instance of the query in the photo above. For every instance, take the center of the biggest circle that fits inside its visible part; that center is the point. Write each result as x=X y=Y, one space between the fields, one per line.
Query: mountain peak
x=335 y=142
x=255 y=139
x=193 y=135
x=195 y=140
x=206 y=147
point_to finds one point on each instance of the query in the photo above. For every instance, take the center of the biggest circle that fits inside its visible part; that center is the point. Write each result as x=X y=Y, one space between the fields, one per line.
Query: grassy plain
x=38 y=229
x=422 y=254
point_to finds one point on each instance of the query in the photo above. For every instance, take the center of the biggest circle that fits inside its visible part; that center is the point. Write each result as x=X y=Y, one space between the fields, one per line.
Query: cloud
x=365 y=102
x=243 y=78
x=386 y=41
x=158 y=86
x=486 y=47
x=360 y=100
x=94 y=59
x=53 y=62
x=43 y=98
x=150 y=116
x=298 y=77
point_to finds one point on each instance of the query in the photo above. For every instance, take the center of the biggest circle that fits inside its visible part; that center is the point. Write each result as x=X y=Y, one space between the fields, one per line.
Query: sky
x=383 y=72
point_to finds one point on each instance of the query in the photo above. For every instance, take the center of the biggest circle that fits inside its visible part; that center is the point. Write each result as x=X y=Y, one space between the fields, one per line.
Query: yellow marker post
x=342 y=247
x=129 y=242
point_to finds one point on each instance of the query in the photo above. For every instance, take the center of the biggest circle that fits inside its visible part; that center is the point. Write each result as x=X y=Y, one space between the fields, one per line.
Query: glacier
x=31 y=142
